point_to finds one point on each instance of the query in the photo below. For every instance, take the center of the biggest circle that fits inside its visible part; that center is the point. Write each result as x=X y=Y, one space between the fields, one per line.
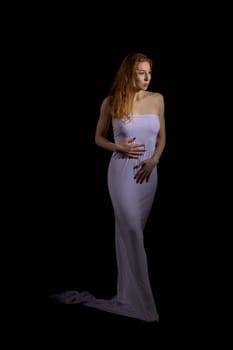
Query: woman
x=137 y=118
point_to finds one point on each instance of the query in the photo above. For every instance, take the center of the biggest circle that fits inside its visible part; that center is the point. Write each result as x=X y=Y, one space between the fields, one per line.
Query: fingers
x=135 y=155
x=135 y=151
x=135 y=145
x=141 y=177
x=142 y=174
x=138 y=145
x=131 y=139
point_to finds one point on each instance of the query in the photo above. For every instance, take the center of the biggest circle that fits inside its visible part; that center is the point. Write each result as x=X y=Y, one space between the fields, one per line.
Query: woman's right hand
x=132 y=150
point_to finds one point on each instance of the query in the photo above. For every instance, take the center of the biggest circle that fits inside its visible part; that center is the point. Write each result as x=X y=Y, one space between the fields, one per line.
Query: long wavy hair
x=123 y=88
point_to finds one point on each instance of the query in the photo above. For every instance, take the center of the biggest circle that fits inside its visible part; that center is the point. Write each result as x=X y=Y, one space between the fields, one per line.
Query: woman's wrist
x=116 y=147
x=155 y=160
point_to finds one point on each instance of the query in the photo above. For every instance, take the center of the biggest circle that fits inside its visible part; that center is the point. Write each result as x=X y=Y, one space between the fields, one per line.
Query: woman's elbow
x=97 y=139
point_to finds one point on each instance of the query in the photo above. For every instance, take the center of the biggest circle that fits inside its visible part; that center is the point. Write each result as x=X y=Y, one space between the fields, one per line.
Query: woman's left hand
x=145 y=168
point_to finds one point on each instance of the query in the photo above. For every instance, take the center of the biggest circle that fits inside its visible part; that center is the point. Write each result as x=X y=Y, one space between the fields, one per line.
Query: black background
x=78 y=63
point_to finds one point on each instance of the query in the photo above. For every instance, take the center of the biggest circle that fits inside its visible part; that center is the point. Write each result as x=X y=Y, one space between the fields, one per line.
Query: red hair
x=124 y=85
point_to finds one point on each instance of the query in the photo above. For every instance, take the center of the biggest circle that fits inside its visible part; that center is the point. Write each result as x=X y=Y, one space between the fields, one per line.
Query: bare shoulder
x=106 y=102
x=157 y=97
x=105 y=105
x=156 y=102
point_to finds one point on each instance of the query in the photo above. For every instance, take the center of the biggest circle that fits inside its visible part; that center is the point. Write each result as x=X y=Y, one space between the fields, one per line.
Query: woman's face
x=143 y=75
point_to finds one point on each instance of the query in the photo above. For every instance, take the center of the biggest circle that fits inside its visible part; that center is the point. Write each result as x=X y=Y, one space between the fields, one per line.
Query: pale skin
x=145 y=102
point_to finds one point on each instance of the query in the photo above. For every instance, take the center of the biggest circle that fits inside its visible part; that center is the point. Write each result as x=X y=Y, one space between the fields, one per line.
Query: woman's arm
x=102 y=127
x=161 y=139
x=126 y=146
